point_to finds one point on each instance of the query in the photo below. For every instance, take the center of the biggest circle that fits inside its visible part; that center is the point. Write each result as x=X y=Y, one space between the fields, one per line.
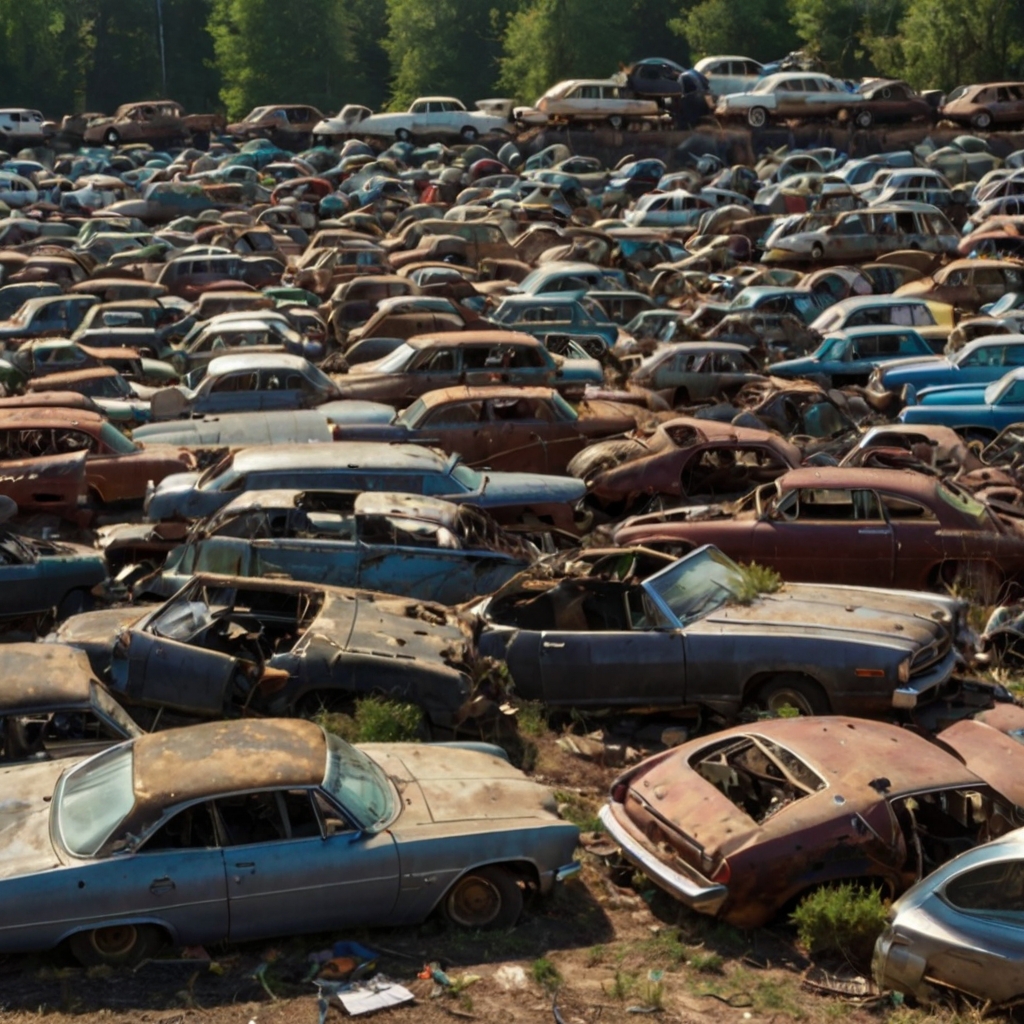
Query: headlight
x=903 y=672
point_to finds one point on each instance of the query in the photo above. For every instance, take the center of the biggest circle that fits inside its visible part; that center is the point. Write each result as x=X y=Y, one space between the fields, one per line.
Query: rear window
x=757 y=775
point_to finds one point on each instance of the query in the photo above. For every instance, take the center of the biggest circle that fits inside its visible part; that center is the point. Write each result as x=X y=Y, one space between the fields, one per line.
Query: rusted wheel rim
x=116 y=941
x=785 y=696
x=475 y=902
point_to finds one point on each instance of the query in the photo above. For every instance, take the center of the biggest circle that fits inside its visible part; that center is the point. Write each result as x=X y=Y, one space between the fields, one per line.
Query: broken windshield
x=696 y=585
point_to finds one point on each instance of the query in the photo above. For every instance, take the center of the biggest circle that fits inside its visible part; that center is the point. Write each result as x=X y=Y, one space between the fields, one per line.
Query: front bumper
x=690 y=888
x=925 y=686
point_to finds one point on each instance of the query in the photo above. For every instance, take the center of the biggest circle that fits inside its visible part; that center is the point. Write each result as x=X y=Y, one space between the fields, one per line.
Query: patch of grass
x=776 y=997
x=706 y=963
x=376 y=720
x=621 y=985
x=844 y=919
x=579 y=810
x=652 y=991
x=532 y=718
x=594 y=956
x=756 y=580
x=545 y=973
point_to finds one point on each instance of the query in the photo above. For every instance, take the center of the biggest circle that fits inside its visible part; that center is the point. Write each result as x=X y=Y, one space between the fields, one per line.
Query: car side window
x=838 y=505
x=331 y=819
x=458 y=415
x=247 y=381
x=192 y=828
x=251 y=818
x=902 y=508
x=74 y=441
x=995 y=888
x=1014 y=395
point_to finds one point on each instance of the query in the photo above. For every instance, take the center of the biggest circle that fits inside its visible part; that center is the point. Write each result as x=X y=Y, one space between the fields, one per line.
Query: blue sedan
x=974 y=411
x=982 y=361
x=849 y=357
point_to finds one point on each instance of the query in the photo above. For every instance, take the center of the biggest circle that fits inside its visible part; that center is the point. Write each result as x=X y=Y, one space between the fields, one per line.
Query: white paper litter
x=377 y=994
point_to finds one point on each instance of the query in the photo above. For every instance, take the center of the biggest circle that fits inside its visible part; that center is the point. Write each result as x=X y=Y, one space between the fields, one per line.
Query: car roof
x=342 y=455
x=50 y=416
x=461 y=393
x=845 y=478
x=860 y=301
x=52 y=381
x=44 y=675
x=224 y=757
x=256 y=361
x=869 y=331
x=461 y=338
x=991 y=339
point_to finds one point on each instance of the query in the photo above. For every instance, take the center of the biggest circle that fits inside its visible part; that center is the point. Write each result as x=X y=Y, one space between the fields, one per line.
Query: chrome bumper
x=910 y=694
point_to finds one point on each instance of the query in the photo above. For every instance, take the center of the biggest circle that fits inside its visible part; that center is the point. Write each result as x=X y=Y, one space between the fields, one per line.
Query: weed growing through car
x=756 y=580
x=376 y=720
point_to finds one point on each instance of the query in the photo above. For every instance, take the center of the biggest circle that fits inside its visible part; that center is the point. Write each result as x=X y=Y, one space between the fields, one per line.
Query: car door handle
x=873 y=531
x=161 y=885
x=552 y=643
x=251 y=870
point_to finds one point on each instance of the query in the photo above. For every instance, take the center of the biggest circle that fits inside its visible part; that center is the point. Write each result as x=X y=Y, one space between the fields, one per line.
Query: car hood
x=900 y=619
x=459 y=785
x=25 y=846
x=904 y=370
x=356 y=411
x=92 y=629
x=952 y=395
x=513 y=488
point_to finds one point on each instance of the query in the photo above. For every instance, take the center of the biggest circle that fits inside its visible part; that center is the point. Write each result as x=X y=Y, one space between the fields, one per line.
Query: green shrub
x=376 y=720
x=545 y=973
x=844 y=919
x=755 y=580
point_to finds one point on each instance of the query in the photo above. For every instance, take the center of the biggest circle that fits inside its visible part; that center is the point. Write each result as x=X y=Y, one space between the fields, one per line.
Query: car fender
x=131 y=919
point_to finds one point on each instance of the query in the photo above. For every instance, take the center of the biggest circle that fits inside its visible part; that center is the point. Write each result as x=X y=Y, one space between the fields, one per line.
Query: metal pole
x=163 y=54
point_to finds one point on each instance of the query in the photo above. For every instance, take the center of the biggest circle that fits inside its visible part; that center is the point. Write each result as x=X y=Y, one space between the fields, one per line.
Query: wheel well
x=755 y=682
x=523 y=870
x=170 y=938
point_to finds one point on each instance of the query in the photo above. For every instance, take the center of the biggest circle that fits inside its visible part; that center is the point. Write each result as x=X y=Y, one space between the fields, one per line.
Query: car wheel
x=757 y=117
x=116 y=946
x=615 y=122
x=863 y=119
x=982 y=119
x=403 y=135
x=484 y=898
x=817 y=251
x=74 y=603
x=469 y=133
x=791 y=690
x=111 y=136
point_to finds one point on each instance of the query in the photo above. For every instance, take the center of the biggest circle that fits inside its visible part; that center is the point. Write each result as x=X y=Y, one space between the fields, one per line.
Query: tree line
x=67 y=56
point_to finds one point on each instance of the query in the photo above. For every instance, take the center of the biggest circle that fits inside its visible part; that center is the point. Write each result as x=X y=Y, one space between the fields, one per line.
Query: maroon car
x=740 y=823
x=850 y=525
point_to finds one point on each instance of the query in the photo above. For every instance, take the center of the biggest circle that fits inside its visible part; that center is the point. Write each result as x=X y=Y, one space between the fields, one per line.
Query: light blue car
x=980 y=362
x=849 y=357
x=976 y=412
x=541 y=315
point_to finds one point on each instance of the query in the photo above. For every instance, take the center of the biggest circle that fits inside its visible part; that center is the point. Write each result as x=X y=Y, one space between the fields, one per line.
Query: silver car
x=960 y=928
x=248 y=829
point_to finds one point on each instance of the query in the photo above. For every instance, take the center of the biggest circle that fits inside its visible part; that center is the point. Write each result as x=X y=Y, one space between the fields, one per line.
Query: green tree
x=371 y=69
x=282 y=51
x=448 y=47
x=841 y=32
x=943 y=43
x=752 y=28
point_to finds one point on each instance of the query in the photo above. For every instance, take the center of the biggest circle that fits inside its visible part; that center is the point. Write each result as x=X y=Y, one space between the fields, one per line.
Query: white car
x=344 y=123
x=795 y=94
x=429 y=115
x=17 y=191
x=20 y=127
x=677 y=208
x=727 y=75
x=588 y=100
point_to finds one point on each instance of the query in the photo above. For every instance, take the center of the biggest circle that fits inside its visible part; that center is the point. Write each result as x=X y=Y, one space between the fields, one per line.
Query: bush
x=843 y=919
x=376 y=720
x=756 y=580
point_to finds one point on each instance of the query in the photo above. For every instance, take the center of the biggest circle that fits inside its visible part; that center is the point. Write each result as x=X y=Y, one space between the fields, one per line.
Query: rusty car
x=739 y=824
x=155 y=121
x=116 y=468
x=689 y=635
x=472 y=358
x=266 y=828
x=983 y=106
x=403 y=544
x=502 y=427
x=693 y=371
x=227 y=645
x=682 y=458
x=52 y=706
x=880 y=528
x=39 y=577
x=371 y=466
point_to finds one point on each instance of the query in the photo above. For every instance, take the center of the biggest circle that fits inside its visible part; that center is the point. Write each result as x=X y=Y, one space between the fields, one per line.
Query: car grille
x=932 y=653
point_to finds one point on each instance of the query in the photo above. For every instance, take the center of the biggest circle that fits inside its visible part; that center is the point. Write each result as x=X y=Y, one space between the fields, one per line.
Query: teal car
x=975 y=412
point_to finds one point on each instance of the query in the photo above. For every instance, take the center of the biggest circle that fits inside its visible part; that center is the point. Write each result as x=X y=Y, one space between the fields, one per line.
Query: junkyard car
x=932 y=320
x=980 y=410
x=794 y=94
x=687 y=635
x=267 y=828
x=41 y=576
x=429 y=115
x=473 y=358
x=155 y=121
x=891 y=100
x=397 y=543
x=224 y=645
x=502 y=427
x=52 y=706
x=959 y=929
x=588 y=100
x=367 y=466
x=284 y=122
x=727 y=74
x=223 y=430
x=880 y=527
x=982 y=106
x=697 y=371
x=117 y=469
x=684 y=457
x=740 y=823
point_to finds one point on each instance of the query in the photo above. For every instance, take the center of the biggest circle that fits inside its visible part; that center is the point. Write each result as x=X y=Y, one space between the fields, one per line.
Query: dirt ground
x=606 y=948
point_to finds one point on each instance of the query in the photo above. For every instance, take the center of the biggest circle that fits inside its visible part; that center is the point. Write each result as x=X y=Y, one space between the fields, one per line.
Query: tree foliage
x=752 y=28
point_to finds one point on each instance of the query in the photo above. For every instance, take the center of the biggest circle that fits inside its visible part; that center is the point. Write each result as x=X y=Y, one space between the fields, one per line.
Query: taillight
x=619 y=791
x=723 y=874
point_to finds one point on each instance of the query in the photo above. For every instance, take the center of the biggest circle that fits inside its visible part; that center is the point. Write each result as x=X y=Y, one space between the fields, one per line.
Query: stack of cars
x=426 y=414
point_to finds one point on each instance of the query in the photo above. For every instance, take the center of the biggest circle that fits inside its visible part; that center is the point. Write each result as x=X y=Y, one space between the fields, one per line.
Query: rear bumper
x=691 y=888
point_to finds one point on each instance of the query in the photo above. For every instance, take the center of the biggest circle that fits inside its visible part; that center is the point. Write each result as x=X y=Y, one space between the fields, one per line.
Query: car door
x=232 y=392
x=848 y=525
x=919 y=546
x=512 y=435
x=457 y=427
x=294 y=863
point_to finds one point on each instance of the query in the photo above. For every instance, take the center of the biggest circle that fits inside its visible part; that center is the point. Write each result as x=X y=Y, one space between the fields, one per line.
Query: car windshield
x=358 y=785
x=95 y=798
x=116 y=441
x=468 y=479
x=397 y=360
x=696 y=585
x=412 y=416
x=1009 y=301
